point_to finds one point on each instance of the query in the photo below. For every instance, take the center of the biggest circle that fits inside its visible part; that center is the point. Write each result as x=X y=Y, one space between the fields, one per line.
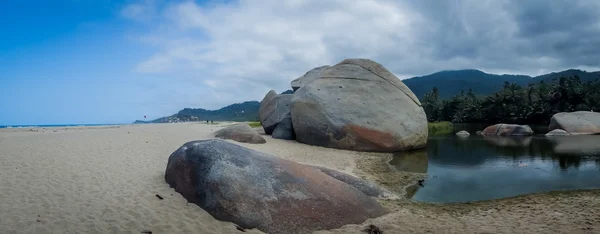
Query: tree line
x=532 y=104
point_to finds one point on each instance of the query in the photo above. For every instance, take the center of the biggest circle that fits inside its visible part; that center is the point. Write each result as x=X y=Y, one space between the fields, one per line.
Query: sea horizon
x=56 y=125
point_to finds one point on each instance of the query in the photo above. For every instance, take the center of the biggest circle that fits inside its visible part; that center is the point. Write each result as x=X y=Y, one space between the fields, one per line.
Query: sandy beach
x=105 y=180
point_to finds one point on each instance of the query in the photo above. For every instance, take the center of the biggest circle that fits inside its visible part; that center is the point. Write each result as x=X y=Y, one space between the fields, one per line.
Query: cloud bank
x=238 y=50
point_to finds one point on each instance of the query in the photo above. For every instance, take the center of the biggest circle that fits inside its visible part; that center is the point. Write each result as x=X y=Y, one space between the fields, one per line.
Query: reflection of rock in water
x=415 y=161
x=411 y=191
x=577 y=144
x=514 y=141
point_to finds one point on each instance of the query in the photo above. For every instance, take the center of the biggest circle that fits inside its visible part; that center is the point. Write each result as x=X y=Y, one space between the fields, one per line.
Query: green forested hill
x=450 y=83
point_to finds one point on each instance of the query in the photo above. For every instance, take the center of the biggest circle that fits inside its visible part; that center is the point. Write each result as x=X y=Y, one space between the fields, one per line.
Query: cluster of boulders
x=355 y=105
x=561 y=124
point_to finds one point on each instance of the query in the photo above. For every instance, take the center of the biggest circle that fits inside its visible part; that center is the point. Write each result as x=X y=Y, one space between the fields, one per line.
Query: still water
x=483 y=168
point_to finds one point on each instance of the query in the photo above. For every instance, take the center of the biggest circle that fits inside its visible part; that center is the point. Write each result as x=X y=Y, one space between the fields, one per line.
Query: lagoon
x=483 y=168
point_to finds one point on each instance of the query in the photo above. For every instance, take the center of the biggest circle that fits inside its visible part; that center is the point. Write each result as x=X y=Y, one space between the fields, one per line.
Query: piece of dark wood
x=372 y=229
x=240 y=228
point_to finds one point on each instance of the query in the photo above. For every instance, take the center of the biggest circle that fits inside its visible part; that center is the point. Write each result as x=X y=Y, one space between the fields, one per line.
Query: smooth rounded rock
x=284 y=130
x=240 y=133
x=507 y=130
x=359 y=105
x=257 y=190
x=273 y=109
x=576 y=123
x=463 y=133
x=557 y=132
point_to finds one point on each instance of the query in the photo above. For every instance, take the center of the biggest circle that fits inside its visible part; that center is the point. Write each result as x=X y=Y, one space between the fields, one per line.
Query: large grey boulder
x=256 y=190
x=240 y=133
x=284 y=129
x=308 y=77
x=576 y=123
x=273 y=109
x=266 y=106
x=359 y=105
x=507 y=130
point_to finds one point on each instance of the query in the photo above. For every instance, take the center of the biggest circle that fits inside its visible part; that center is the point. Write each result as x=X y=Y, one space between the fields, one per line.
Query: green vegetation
x=440 y=128
x=453 y=82
x=239 y=112
x=255 y=124
x=246 y=111
x=532 y=104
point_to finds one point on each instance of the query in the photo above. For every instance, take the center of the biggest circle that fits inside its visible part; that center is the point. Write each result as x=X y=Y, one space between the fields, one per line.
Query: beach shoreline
x=104 y=179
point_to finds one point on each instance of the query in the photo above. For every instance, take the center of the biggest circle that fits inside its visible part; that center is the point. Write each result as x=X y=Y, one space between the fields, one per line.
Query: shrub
x=440 y=128
x=255 y=124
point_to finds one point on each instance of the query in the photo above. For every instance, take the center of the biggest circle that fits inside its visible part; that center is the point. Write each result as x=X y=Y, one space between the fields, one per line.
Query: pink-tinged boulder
x=576 y=123
x=257 y=190
x=240 y=133
x=359 y=105
x=507 y=130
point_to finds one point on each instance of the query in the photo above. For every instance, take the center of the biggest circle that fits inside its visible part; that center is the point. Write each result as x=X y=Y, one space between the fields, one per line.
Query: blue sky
x=68 y=62
x=88 y=61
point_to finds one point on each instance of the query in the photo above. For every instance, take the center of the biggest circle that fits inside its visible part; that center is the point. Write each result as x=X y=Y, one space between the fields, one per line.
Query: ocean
x=55 y=125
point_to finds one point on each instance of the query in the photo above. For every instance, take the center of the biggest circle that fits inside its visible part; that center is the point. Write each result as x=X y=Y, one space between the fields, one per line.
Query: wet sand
x=105 y=180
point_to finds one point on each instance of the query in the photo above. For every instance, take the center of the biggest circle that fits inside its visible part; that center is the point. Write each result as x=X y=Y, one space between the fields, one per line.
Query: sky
x=101 y=62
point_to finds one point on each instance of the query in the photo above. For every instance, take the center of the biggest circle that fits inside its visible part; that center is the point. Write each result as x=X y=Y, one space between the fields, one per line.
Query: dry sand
x=105 y=180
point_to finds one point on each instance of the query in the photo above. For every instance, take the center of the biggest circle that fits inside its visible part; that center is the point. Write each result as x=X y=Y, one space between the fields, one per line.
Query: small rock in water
x=372 y=229
x=159 y=197
x=420 y=182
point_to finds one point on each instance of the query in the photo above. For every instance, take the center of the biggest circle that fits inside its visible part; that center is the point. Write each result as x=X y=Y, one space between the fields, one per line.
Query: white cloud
x=142 y=11
x=240 y=49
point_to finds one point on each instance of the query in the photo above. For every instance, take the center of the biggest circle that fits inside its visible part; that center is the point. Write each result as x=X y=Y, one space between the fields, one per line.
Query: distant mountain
x=246 y=111
x=583 y=75
x=450 y=83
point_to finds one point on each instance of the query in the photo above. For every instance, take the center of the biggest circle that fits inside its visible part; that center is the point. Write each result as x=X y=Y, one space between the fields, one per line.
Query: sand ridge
x=105 y=180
